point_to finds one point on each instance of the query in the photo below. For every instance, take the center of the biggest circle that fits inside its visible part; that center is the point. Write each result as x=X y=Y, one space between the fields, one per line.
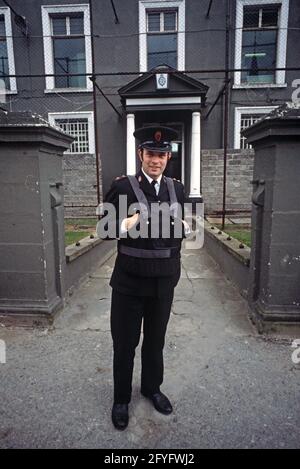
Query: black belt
x=164 y=253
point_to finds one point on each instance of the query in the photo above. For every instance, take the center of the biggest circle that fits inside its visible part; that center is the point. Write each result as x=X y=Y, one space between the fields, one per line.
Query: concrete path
x=230 y=387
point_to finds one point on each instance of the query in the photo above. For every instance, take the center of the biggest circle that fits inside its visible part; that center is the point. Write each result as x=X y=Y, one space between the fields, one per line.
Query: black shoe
x=119 y=416
x=160 y=402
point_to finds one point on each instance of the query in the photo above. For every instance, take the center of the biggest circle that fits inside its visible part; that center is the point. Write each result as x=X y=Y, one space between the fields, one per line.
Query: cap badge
x=157 y=136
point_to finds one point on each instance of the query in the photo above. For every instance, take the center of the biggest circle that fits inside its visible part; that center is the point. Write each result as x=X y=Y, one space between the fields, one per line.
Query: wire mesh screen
x=79 y=129
x=50 y=50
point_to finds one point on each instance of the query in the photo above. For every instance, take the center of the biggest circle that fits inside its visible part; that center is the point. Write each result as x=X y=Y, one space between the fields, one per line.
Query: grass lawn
x=77 y=222
x=78 y=228
x=74 y=236
x=241 y=233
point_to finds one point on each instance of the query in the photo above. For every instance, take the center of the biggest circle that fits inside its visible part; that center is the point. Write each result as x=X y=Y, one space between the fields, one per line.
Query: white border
x=282 y=39
x=47 y=10
x=146 y=4
x=77 y=115
x=5 y=11
x=237 y=119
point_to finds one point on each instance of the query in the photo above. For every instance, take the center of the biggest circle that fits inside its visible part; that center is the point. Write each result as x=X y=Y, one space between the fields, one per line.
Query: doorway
x=175 y=167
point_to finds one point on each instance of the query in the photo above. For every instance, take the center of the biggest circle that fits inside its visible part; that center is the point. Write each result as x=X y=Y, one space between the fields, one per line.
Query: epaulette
x=120 y=177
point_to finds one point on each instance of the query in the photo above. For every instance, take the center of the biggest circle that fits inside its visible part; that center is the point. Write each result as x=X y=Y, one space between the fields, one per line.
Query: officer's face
x=154 y=163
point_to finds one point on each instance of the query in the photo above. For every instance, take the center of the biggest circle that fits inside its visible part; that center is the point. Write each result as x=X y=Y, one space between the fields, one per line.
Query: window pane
x=4 y=64
x=79 y=129
x=76 y=25
x=154 y=22
x=59 y=26
x=246 y=121
x=270 y=16
x=259 y=51
x=2 y=26
x=170 y=21
x=251 y=17
x=69 y=57
x=162 y=49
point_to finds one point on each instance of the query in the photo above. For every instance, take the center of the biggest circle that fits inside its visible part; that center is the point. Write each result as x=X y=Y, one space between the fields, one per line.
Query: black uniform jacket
x=146 y=276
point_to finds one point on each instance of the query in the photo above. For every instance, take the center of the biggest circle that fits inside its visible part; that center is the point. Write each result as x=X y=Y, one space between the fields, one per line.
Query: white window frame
x=5 y=11
x=281 y=46
x=89 y=115
x=145 y=5
x=239 y=111
x=47 y=11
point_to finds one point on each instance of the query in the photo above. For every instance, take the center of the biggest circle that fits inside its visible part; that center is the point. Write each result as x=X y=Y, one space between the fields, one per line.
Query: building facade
x=45 y=46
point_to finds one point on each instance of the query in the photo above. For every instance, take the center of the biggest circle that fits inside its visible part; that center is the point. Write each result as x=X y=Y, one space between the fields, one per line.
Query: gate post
x=32 y=253
x=274 y=287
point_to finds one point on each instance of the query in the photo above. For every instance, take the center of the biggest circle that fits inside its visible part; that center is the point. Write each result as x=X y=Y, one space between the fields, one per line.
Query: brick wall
x=80 y=184
x=239 y=176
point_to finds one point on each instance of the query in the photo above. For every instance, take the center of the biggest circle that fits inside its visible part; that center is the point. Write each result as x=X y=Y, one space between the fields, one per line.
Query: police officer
x=146 y=271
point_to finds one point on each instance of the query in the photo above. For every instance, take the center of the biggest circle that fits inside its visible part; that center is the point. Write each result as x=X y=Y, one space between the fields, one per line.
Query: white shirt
x=158 y=180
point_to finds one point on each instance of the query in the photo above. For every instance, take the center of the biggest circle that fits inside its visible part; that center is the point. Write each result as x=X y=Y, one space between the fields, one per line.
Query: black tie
x=153 y=183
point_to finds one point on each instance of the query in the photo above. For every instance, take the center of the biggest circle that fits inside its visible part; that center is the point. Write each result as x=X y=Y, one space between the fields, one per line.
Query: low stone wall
x=239 y=177
x=233 y=259
x=80 y=185
x=84 y=259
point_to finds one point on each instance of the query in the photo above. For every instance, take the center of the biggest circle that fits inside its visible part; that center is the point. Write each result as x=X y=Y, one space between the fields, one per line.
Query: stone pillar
x=32 y=251
x=274 y=288
x=195 y=167
x=131 y=153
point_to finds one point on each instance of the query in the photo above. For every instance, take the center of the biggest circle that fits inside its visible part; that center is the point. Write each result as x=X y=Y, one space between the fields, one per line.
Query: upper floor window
x=68 y=51
x=7 y=66
x=4 y=72
x=259 y=46
x=162 y=33
x=261 y=42
x=162 y=38
x=67 y=47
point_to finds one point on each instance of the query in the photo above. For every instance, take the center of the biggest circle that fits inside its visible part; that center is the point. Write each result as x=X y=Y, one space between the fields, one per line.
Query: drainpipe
x=95 y=107
x=226 y=109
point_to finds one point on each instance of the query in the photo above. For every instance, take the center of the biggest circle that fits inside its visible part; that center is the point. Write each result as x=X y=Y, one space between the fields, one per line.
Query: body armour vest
x=151 y=257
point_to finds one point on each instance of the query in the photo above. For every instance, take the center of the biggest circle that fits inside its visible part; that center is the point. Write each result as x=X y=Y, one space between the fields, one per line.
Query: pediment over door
x=181 y=90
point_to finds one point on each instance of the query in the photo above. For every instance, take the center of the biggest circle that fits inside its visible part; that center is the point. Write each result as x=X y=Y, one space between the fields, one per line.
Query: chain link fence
x=248 y=55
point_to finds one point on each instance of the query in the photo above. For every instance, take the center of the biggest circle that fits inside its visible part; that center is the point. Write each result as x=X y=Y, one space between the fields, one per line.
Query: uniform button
x=172 y=223
x=148 y=222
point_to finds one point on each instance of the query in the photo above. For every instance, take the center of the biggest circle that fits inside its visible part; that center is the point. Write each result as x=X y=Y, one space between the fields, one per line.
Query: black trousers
x=127 y=313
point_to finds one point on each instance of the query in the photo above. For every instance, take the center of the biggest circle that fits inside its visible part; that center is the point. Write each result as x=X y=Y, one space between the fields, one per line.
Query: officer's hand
x=130 y=222
x=187 y=229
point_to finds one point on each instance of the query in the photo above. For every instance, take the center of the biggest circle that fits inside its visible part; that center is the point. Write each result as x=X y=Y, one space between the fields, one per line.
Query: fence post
x=274 y=292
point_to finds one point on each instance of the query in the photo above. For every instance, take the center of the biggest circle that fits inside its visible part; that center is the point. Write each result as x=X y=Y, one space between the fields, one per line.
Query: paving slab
x=230 y=387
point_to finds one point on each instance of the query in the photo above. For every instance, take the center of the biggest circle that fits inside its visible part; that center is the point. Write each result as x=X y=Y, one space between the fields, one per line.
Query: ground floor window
x=80 y=126
x=244 y=118
x=246 y=121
